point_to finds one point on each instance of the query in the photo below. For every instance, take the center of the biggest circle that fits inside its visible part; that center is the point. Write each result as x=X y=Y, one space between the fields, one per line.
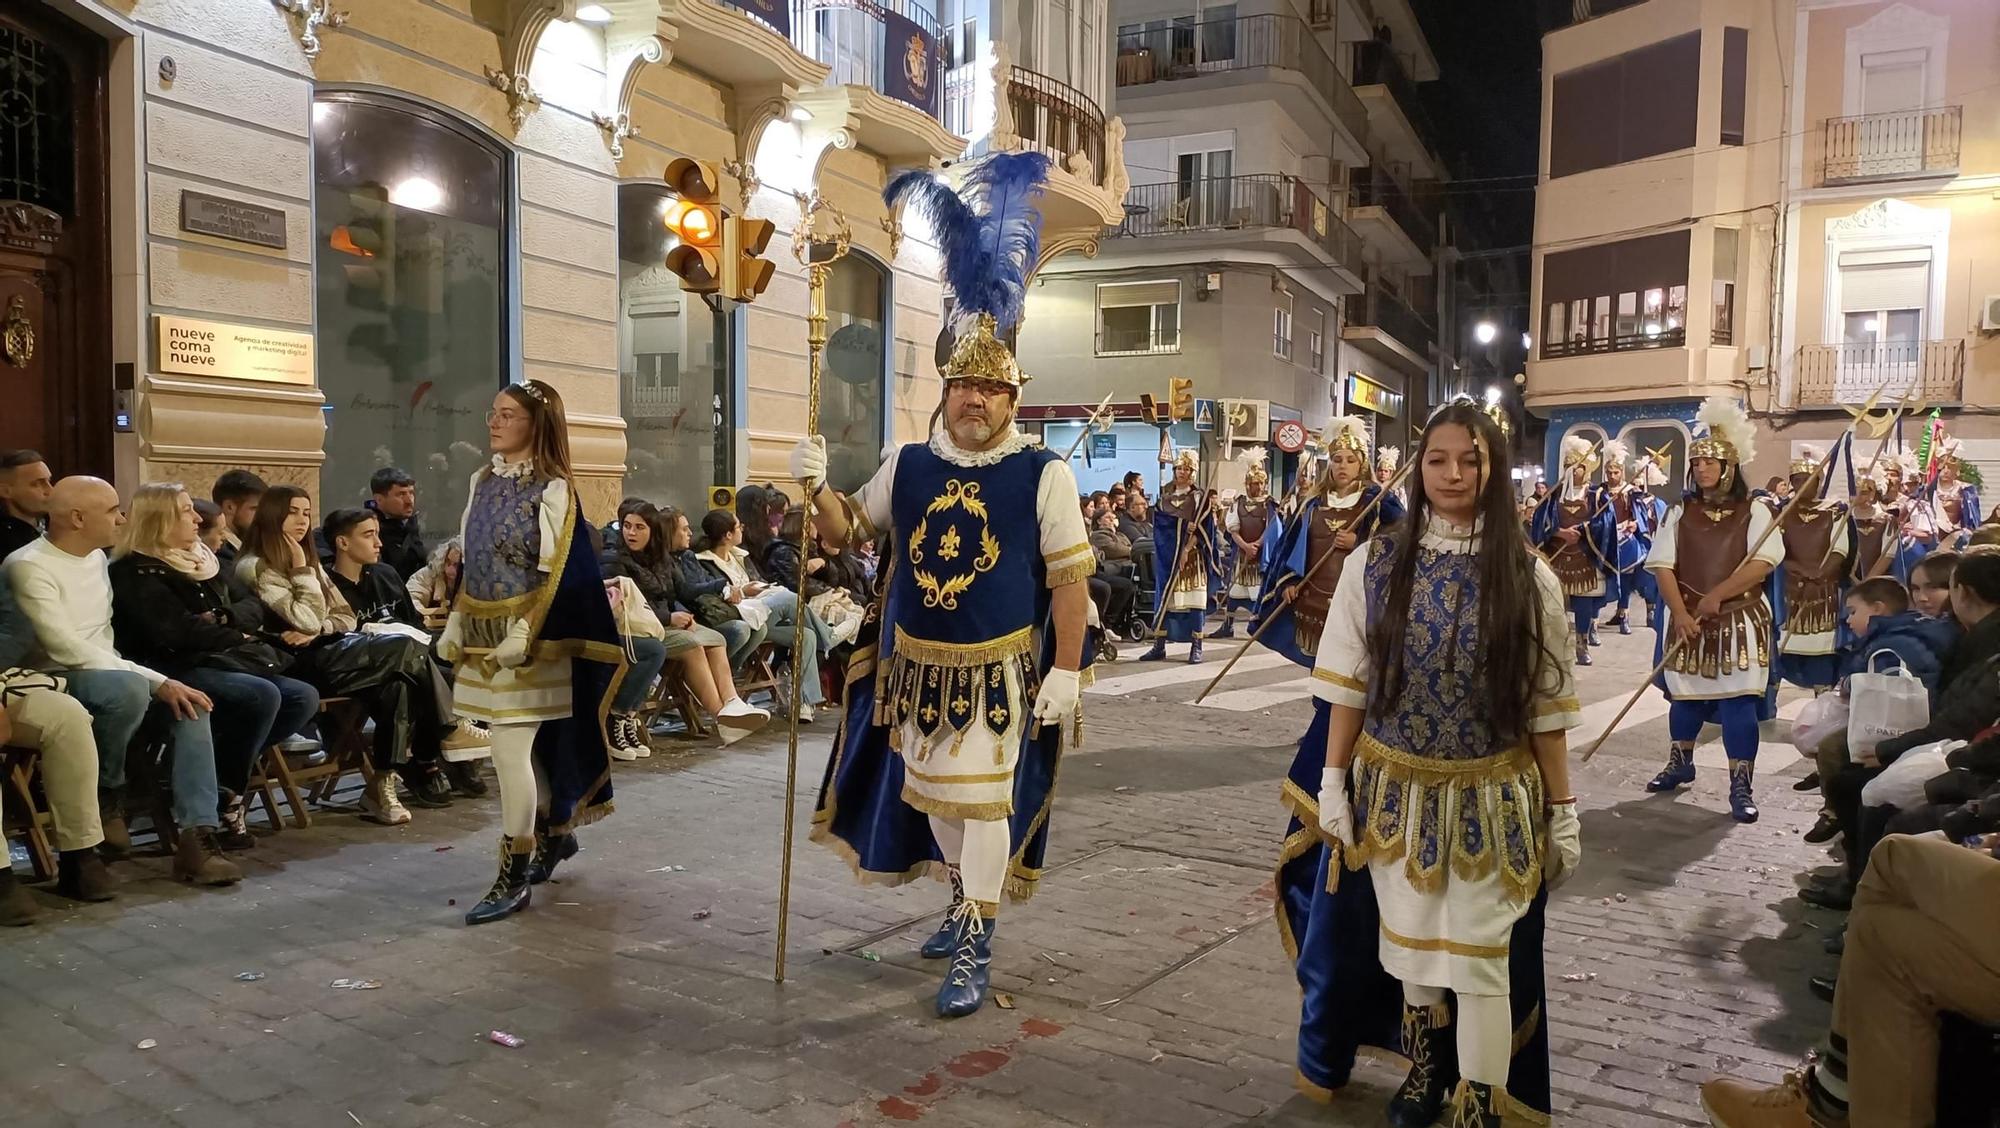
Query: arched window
x=410 y=211
x=852 y=409
x=674 y=386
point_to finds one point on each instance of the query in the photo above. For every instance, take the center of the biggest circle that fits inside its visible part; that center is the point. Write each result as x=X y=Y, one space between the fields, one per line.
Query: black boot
x=464 y=778
x=1427 y=1043
x=965 y=981
x=550 y=852
x=1159 y=651
x=940 y=943
x=80 y=875
x=1475 y=1105
x=1742 y=805
x=17 y=905
x=1679 y=771
x=117 y=844
x=1194 y=652
x=509 y=894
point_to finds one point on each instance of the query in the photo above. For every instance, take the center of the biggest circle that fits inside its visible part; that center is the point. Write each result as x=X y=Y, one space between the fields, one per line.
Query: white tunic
x=1751 y=672
x=539 y=691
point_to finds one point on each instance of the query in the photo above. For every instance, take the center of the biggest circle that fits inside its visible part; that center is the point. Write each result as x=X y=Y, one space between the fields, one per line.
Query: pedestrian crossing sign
x=1204 y=415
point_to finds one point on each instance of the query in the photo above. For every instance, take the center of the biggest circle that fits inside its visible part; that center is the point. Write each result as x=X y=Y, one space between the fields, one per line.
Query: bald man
x=62 y=586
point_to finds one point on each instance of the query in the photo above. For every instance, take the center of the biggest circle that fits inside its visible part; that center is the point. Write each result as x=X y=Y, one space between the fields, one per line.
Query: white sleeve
x=1838 y=546
x=41 y=599
x=554 y=507
x=1232 y=520
x=1772 y=551
x=1556 y=707
x=1666 y=542
x=1341 y=672
x=874 y=504
x=1065 y=543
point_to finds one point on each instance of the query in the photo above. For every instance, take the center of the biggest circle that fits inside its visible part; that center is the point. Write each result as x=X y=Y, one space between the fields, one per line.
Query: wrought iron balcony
x=1233 y=203
x=1191 y=49
x=890 y=46
x=1904 y=145
x=1928 y=371
x=1380 y=309
x=1056 y=118
x=1375 y=63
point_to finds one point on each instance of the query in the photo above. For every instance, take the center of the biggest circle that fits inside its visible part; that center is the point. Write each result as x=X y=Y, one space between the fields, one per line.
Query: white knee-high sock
x=1418 y=995
x=984 y=868
x=950 y=836
x=514 y=764
x=1485 y=1038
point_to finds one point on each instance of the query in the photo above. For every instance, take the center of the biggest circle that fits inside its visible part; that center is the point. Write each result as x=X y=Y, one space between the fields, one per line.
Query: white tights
x=980 y=849
x=514 y=763
x=1485 y=1032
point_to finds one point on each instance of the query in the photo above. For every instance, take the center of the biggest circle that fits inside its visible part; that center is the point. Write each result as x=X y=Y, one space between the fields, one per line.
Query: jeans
x=117 y=700
x=250 y=713
x=196 y=796
x=783 y=631
x=648 y=656
x=741 y=639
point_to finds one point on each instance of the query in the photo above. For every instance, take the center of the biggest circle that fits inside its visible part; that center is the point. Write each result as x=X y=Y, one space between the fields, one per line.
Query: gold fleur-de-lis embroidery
x=948 y=544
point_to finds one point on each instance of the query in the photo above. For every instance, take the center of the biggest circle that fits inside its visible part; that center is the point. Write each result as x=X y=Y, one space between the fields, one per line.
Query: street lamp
x=1484 y=332
x=1492 y=395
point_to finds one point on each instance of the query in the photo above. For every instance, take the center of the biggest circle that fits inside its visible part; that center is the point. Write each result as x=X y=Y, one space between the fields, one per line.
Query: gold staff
x=835 y=247
x=1097 y=418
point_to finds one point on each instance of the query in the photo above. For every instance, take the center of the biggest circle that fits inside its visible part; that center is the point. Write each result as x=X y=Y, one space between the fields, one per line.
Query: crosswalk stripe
x=1260 y=697
x=1176 y=673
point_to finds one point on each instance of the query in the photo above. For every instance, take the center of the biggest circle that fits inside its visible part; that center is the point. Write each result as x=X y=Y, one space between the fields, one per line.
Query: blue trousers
x=251 y=713
x=741 y=640
x=1736 y=715
x=648 y=656
x=117 y=701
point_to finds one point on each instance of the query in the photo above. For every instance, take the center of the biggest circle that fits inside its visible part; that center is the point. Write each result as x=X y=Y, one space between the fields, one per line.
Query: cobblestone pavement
x=1147 y=981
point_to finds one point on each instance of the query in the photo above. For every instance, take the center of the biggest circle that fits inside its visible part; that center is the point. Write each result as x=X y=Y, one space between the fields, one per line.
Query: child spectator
x=1880 y=615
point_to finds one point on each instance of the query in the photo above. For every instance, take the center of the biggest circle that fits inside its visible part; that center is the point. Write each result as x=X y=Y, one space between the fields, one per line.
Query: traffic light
x=1149 y=408
x=744 y=272
x=1180 y=398
x=695 y=216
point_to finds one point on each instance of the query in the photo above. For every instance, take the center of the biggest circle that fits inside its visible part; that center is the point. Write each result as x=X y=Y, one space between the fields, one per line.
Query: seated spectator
x=1986 y=534
x=1924 y=939
x=36 y=713
x=393 y=500
x=786 y=625
x=213 y=532
x=836 y=589
x=1930 y=586
x=1137 y=525
x=390 y=674
x=642 y=556
x=870 y=563
x=24 y=498
x=63 y=586
x=1116 y=570
x=172 y=612
x=236 y=493
x=710 y=597
x=434 y=585
x=382 y=605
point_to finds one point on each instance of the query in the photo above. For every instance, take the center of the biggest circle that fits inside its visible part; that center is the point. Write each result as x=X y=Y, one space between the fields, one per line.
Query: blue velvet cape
x=1599 y=538
x=1285 y=563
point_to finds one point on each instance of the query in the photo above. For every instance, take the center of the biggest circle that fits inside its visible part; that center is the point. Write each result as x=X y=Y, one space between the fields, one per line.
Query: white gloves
x=1060 y=691
x=513 y=650
x=1565 y=844
x=451 y=644
x=1335 y=816
x=809 y=459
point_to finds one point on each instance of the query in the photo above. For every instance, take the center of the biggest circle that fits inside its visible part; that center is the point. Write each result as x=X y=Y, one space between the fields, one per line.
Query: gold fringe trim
x=1811 y=606
x=1057 y=559
x=959 y=655
x=1406 y=804
x=1071 y=573
x=945 y=809
x=1341 y=681
x=1440 y=944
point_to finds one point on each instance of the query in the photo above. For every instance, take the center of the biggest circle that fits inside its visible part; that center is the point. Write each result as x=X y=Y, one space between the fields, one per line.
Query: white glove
x=1057 y=700
x=809 y=459
x=513 y=650
x=1565 y=844
x=451 y=644
x=1335 y=816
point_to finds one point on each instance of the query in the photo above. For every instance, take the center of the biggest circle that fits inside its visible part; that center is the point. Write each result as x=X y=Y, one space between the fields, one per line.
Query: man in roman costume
x=1955 y=501
x=1633 y=519
x=1250 y=515
x=1575 y=531
x=1868 y=523
x=1816 y=543
x=1186 y=552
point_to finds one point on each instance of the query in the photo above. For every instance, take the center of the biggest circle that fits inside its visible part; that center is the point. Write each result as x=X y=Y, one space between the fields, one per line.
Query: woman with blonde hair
x=172 y=611
x=535 y=644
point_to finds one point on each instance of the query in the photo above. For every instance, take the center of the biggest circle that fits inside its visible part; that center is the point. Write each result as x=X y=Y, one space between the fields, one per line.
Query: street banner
x=910 y=71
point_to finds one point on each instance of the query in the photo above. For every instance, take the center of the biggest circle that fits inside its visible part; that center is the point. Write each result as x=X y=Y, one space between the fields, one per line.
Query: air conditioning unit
x=1989 y=316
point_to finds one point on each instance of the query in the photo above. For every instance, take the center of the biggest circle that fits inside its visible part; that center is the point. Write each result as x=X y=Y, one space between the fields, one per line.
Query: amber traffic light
x=1180 y=397
x=744 y=272
x=694 y=215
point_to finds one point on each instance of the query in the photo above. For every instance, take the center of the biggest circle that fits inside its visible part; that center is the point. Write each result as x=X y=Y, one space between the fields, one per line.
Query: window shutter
x=1120 y=295
x=1872 y=285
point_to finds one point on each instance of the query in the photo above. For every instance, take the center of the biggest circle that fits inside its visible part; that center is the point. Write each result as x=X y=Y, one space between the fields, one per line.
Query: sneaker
x=466 y=734
x=1824 y=830
x=632 y=734
x=1809 y=783
x=428 y=787
x=234 y=833
x=735 y=727
x=737 y=707
x=1735 y=1104
x=379 y=803
x=1835 y=895
x=806 y=713
x=465 y=778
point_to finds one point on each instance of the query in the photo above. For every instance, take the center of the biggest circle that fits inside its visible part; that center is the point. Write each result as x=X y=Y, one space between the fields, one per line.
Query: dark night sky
x=1485 y=104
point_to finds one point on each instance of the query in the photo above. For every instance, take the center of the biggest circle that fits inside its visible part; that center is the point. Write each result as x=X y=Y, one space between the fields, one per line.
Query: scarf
x=197 y=563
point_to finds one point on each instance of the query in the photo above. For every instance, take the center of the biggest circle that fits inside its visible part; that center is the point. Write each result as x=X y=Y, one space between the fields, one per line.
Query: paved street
x=1147 y=982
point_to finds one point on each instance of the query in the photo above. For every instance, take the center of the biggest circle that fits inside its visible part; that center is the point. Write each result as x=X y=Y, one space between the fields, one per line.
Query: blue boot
x=940 y=943
x=1228 y=627
x=1159 y=651
x=1679 y=771
x=1194 y=652
x=509 y=894
x=964 y=988
x=1742 y=805
x=550 y=852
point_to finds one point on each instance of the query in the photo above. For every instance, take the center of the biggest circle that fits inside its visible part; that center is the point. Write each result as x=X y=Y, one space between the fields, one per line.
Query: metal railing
x=1582 y=10
x=852 y=37
x=1056 y=118
x=1848 y=373
x=1189 y=48
x=1135 y=342
x=1380 y=309
x=1413 y=210
x=1892 y=146
x=1376 y=63
x=1672 y=338
x=1253 y=200
x=961 y=97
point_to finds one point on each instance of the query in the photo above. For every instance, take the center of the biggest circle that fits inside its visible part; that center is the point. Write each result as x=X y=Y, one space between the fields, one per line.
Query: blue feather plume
x=989 y=231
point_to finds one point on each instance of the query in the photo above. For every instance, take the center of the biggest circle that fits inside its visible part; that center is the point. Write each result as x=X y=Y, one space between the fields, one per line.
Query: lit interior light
x=593 y=14
x=417 y=193
x=1652 y=328
x=1673 y=322
x=1492 y=395
x=1870 y=325
x=1527 y=341
x=1484 y=332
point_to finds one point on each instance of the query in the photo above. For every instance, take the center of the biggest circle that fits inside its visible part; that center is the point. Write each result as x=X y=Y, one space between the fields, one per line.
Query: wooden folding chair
x=758 y=674
x=21 y=765
x=672 y=692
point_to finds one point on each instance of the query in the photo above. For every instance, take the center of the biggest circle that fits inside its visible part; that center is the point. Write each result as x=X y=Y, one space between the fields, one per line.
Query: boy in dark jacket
x=1880 y=616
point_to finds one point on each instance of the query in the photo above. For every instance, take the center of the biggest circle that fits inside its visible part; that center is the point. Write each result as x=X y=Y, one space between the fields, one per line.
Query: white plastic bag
x=1884 y=705
x=1824 y=716
x=1901 y=784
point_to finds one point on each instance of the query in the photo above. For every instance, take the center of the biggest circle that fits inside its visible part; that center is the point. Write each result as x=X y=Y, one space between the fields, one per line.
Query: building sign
x=775 y=14
x=204 y=214
x=241 y=352
x=1290 y=436
x=1243 y=420
x=1363 y=392
x=1204 y=415
x=911 y=72
x=1103 y=446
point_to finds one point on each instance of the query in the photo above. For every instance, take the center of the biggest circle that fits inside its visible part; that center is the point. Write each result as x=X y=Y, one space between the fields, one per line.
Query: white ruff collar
x=1441 y=535
x=1015 y=442
x=1346 y=500
x=505 y=469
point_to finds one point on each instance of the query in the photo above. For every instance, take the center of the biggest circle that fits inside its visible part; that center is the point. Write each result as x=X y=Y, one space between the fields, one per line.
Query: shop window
x=851 y=410
x=409 y=210
x=675 y=388
x=1138 y=317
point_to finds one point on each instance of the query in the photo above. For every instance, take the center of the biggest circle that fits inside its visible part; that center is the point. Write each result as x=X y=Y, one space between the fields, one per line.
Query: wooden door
x=55 y=270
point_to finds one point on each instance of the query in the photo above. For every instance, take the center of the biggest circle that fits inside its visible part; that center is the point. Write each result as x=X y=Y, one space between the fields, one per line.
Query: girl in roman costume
x=537 y=650
x=1868 y=524
x=1387 y=461
x=1633 y=521
x=1912 y=529
x=1250 y=516
x=1718 y=639
x=1449 y=693
x=1184 y=551
x=1955 y=502
x=1332 y=522
x=1575 y=529
x=970 y=664
x=1648 y=474
x=1809 y=611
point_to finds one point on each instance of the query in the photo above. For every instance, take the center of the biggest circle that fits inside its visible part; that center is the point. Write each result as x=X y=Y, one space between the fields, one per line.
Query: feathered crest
x=1188 y=457
x=1808 y=458
x=1256 y=464
x=1577 y=450
x=1346 y=432
x=1906 y=461
x=1616 y=453
x=1388 y=458
x=1730 y=436
x=988 y=231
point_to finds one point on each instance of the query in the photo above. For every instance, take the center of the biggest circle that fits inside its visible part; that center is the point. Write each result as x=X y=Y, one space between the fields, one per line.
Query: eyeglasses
x=504 y=417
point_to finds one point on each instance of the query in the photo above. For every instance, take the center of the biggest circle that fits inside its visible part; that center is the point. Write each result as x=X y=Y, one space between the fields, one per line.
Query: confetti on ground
x=502 y=1038
x=702 y=914
x=249 y=976
x=147 y=1043
x=356 y=984
x=1003 y=1000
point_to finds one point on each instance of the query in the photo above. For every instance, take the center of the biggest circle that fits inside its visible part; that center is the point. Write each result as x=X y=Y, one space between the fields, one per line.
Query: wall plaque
x=240 y=352
x=232 y=219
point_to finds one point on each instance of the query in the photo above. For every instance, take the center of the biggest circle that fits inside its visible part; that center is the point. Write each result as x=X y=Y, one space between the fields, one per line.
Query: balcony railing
x=1189 y=49
x=1906 y=144
x=1673 y=338
x=961 y=97
x=1375 y=63
x=1378 y=186
x=890 y=46
x=1258 y=200
x=1840 y=374
x=1380 y=309
x=1136 y=342
x=1055 y=117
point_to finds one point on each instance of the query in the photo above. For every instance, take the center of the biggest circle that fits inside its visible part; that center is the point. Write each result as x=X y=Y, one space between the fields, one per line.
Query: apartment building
x=1792 y=202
